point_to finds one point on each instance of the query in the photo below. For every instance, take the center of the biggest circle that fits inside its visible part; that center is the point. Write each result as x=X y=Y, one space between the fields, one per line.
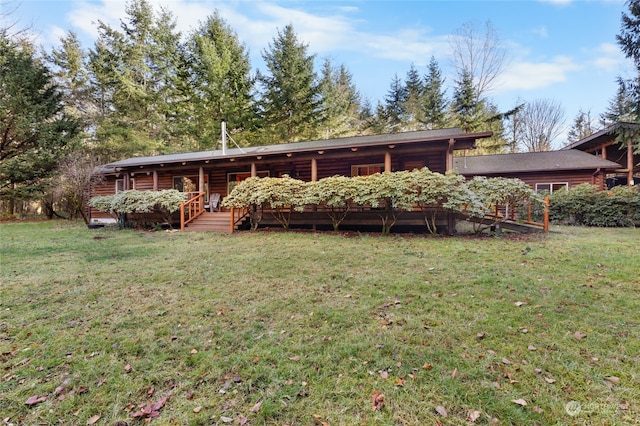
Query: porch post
x=155 y=180
x=629 y=163
x=387 y=162
x=254 y=170
x=201 y=179
x=449 y=160
x=604 y=152
x=314 y=170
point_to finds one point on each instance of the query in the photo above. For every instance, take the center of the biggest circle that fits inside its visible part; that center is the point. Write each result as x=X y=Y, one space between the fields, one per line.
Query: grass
x=274 y=328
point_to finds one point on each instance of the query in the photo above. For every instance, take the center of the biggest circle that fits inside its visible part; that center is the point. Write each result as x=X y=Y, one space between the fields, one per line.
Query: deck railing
x=191 y=209
x=237 y=214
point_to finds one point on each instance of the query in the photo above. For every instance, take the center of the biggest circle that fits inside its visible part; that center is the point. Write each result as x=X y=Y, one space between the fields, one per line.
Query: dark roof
x=328 y=144
x=571 y=159
x=603 y=136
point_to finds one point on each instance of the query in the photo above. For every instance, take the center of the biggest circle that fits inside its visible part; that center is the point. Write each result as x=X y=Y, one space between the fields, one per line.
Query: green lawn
x=273 y=328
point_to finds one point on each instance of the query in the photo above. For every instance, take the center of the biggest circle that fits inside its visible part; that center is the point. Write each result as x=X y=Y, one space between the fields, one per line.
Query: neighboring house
x=217 y=172
x=604 y=144
x=551 y=170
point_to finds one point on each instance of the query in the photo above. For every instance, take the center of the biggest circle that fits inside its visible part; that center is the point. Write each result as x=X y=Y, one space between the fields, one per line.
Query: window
x=235 y=178
x=366 y=169
x=184 y=184
x=120 y=184
x=551 y=187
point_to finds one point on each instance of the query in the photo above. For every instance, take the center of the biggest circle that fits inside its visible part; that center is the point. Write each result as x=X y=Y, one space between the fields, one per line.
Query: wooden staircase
x=211 y=221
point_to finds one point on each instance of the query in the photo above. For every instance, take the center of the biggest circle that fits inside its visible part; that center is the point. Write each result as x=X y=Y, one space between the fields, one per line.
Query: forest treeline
x=144 y=88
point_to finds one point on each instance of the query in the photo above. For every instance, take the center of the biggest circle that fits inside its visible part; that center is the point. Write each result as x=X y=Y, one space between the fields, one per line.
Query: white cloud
x=531 y=75
x=541 y=31
x=608 y=57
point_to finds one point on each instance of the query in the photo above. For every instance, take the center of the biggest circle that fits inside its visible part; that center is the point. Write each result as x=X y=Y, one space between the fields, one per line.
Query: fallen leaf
x=35 y=399
x=578 y=335
x=532 y=348
x=441 y=410
x=384 y=375
x=505 y=361
x=427 y=366
x=521 y=402
x=226 y=419
x=474 y=415
x=537 y=370
x=256 y=407
x=197 y=409
x=127 y=368
x=537 y=409
x=520 y=303
x=400 y=382
x=93 y=419
x=624 y=405
x=454 y=375
x=294 y=358
x=549 y=380
x=377 y=400
x=194 y=351
x=480 y=336
x=242 y=420
x=613 y=379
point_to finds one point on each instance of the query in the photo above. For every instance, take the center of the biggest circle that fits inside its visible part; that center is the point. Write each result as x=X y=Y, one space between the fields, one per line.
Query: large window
x=235 y=178
x=120 y=184
x=366 y=169
x=551 y=187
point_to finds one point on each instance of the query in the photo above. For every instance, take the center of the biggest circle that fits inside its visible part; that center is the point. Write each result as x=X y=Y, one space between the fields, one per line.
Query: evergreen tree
x=290 y=100
x=35 y=131
x=394 y=106
x=138 y=80
x=340 y=102
x=582 y=126
x=221 y=82
x=69 y=71
x=412 y=111
x=434 y=114
x=629 y=42
x=620 y=107
x=465 y=105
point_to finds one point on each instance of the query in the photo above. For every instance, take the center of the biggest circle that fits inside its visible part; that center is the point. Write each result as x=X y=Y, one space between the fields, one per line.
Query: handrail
x=191 y=209
x=236 y=216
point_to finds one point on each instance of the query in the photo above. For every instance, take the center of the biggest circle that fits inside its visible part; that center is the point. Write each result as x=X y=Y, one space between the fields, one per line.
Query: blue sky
x=557 y=49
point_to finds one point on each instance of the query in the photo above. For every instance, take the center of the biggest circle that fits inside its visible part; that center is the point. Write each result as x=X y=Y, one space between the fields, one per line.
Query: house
x=218 y=171
x=551 y=170
x=608 y=145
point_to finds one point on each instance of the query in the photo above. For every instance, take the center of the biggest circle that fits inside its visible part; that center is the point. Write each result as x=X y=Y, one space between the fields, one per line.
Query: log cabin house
x=216 y=172
x=213 y=174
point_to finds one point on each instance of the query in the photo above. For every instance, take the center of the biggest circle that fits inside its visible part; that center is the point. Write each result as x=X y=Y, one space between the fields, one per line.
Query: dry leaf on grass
x=93 y=419
x=35 y=399
x=520 y=401
x=474 y=415
x=151 y=410
x=256 y=407
x=377 y=400
x=442 y=411
x=578 y=335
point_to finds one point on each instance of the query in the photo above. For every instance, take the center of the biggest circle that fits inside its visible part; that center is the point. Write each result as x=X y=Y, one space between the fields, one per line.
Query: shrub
x=163 y=202
x=585 y=204
x=335 y=195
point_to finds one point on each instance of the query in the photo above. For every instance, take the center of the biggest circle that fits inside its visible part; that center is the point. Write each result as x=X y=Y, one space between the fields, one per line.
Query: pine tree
x=137 y=77
x=620 y=107
x=69 y=71
x=222 y=84
x=340 y=102
x=582 y=126
x=412 y=111
x=465 y=105
x=629 y=42
x=35 y=130
x=434 y=114
x=290 y=99
x=394 y=106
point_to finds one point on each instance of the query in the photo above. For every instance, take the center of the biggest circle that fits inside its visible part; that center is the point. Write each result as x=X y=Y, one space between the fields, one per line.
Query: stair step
x=211 y=221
